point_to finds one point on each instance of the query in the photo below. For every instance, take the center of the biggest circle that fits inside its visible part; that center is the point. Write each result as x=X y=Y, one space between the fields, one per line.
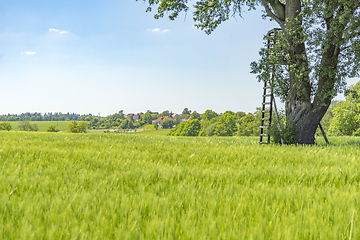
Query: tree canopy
x=316 y=48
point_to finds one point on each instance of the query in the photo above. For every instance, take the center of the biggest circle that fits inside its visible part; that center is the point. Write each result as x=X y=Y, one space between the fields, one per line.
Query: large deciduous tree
x=317 y=48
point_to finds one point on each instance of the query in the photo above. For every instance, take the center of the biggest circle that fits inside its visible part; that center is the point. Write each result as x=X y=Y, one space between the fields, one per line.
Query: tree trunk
x=306 y=120
x=299 y=110
x=306 y=127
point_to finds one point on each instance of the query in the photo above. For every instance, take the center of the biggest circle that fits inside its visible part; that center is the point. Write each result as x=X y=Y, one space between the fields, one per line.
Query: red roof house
x=160 y=119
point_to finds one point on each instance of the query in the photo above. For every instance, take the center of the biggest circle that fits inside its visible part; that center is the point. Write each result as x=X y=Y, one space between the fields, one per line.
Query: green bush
x=288 y=132
x=27 y=126
x=52 y=128
x=77 y=127
x=5 y=126
x=189 y=128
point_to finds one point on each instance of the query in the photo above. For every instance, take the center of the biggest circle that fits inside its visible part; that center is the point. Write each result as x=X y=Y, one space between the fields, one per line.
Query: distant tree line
x=121 y=121
x=342 y=118
x=211 y=123
x=57 y=116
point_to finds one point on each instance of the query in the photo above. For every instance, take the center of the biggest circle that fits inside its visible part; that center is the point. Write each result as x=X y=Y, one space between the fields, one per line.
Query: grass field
x=148 y=126
x=159 y=132
x=43 y=125
x=136 y=186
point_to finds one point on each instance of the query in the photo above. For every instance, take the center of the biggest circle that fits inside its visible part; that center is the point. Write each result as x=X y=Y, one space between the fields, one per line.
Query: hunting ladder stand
x=267 y=104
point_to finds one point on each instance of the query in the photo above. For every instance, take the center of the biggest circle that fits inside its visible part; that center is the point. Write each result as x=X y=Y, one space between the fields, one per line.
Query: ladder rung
x=267 y=87
x=264 y=135
x=266 y=103
x=264 y=126
x=265 y=111
x=267 y=95
x=265 y=119
x=263 y=142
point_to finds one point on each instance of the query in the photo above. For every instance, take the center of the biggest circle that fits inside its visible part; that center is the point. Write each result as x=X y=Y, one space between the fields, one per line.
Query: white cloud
x=158 y=30
x=57 y=31
x=28 y=53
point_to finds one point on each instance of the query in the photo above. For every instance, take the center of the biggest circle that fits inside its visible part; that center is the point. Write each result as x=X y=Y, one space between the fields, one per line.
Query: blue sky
x=110 y=55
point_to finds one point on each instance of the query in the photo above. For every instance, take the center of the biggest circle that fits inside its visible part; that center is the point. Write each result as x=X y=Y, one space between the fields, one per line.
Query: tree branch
x=280 y=21
x=279 y=9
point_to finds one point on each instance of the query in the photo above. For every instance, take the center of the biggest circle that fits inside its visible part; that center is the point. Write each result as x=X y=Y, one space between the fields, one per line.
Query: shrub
x=27 y=126
x=52 y=128
x=288 y=133
x=77 y=127
x=189 y=128
x=5 y=126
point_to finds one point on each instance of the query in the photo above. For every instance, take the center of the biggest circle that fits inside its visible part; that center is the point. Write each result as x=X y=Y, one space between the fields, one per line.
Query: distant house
x=160 y=119
x=175 y=115
x=133 y=116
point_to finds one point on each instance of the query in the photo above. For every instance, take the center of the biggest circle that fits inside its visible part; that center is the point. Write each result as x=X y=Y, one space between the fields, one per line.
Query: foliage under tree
x=317 y=49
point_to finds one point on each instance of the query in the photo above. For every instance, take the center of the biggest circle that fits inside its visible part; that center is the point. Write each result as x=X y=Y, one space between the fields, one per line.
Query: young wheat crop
x=136 y=186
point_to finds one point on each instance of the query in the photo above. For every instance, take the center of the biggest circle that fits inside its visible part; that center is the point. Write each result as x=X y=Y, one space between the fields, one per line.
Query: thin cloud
x=28 y=53
x=53 y=30
x=158 y=30
x=57 y=31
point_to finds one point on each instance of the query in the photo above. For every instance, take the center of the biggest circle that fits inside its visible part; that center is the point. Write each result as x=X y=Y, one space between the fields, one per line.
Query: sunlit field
x=43 y=125
x=138 y=186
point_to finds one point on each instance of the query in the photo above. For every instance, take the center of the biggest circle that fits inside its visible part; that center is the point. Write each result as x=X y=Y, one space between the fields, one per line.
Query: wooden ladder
x=268 y=99
x=266 y=113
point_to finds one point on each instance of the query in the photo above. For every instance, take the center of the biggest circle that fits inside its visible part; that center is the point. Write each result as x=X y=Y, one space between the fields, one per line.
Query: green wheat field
x=139 y=186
